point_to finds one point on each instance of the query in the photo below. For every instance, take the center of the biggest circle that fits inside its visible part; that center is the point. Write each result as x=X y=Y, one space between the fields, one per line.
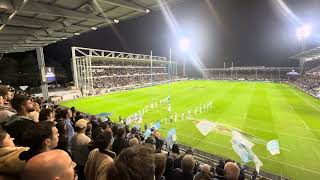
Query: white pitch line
x=314 y=107
x=287 y=164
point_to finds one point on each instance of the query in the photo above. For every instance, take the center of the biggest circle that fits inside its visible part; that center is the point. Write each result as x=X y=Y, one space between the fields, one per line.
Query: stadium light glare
x=94 y=28
x=184 y=44
x=304 y=32
x=116 y=21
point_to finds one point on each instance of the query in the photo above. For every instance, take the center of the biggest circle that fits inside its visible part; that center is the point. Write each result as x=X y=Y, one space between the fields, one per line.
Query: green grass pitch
x=264 y=110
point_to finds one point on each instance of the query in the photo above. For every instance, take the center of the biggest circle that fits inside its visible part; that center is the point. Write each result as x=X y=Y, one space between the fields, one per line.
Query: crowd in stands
x=109 y=63
x=124 y=73
x=127 y=71
x=248 y=75
x=308 y=82
x=112 y=82
x=40 y=140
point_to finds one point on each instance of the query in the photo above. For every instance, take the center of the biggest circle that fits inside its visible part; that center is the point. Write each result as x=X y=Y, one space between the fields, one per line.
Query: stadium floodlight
x=94 y=28
x=116 y=21
x=184 y=44
x=304 y=32
x=147 y=11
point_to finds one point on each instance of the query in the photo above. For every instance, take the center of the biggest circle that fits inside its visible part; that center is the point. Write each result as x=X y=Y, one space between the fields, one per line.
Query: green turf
x=265 y=110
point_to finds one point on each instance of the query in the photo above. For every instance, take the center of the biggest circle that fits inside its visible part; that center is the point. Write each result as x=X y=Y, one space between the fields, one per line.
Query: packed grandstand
x=109 y=149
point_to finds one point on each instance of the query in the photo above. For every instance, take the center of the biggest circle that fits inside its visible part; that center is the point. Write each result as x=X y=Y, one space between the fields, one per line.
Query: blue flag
x=273 y=147
x=157 y=125
x=171 y=137
x=147 y=133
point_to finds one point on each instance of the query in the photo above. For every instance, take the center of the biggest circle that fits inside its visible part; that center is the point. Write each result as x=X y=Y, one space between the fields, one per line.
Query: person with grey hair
x=231 y=171
x=79 y=147
x=187 y=166
x=204 y=173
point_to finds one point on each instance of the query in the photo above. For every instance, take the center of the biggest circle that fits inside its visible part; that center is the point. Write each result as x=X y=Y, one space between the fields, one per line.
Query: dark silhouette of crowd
x=40 y=140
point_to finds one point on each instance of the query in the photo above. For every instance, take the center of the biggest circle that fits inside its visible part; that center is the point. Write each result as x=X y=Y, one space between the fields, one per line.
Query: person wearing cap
x=79 y=146
x=53 y=164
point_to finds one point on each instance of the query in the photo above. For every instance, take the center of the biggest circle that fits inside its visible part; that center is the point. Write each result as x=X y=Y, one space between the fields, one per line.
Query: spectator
x=46 y=114
x=5 y=111
x=77 y=116
x=20 y=130
x=66 y=115
x=204 y=173
x=10 y=164
x=170 y=173
x=160 y=163
x=54 y=164
x=7 y=96
x=175 y=154
x=134 y=163
x=63 y=142
x=132 y=133
x=187 y=165
x=23 y=105
x=220 y=168
x=79 y=146
x=120 y=142
x=43 y=138
x=232 y=171
x=96 y=129
x=133 y=142
x=101 y=158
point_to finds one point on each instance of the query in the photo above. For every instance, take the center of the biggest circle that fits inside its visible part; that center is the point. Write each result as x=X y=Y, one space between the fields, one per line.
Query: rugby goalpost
x=82 y=68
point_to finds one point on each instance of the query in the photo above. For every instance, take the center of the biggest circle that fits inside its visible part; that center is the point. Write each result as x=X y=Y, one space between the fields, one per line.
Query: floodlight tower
x=303 y=34
x=184 y=45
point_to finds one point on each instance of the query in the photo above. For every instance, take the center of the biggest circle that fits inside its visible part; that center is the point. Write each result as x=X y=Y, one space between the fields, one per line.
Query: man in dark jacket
x=120 y=142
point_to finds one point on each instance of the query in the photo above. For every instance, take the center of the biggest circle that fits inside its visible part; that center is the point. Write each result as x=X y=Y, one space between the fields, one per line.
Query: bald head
x=232 y=171
x=49 y=165
x=205 y=168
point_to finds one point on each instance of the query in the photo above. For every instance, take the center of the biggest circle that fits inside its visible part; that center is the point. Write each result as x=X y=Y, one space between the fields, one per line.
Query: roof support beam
x=34 y=7
x=15 y=30
x=124 y=4
x=26 y=21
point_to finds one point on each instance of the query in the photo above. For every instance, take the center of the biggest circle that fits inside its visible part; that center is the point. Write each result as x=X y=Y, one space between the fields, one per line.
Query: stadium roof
x=309 y=55
x=28 y=24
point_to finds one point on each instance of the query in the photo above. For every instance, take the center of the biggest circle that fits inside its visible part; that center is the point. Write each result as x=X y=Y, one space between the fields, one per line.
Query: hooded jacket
x=10 y=165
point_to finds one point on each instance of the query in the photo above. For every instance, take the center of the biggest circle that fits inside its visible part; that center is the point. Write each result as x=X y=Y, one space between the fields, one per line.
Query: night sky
x=247 y=32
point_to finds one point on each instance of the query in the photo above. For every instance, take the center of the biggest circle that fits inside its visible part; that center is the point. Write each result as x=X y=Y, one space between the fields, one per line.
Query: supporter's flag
x=205 y=127
x=242 y=147
x=157 y=125
x=273 y=147
x=171 y=137
x=147 y=133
